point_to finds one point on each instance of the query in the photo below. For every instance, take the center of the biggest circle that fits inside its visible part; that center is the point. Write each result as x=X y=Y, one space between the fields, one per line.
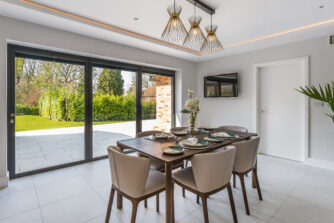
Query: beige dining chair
x=233 y=128
x=155 y=163
x=209 y=174
x=246 y=161
x=132 y=178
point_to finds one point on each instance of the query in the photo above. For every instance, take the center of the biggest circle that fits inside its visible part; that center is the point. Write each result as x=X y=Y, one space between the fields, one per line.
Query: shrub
x=26 y=109
x=105 y=107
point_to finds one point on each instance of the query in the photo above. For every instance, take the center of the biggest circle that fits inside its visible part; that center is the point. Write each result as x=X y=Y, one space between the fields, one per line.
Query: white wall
x=238 y=111
x=11 y=29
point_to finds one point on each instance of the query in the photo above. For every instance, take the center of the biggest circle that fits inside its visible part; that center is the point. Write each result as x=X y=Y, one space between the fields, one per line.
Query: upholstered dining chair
x=155 y=163
x=233 y=128
x=209 y=174
x=133 y=179
x=246 y=161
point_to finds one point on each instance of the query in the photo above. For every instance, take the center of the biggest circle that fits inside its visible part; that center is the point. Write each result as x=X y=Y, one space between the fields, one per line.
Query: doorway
x=281 y=113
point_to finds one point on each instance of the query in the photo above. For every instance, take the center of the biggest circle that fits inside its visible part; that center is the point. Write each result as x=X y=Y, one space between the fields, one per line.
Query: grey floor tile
x=77 y=209
x=18 y=202
x=62 y=189
x=32 y=216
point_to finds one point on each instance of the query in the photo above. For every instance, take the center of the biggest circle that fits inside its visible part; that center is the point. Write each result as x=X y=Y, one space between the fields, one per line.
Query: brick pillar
x=164 y=104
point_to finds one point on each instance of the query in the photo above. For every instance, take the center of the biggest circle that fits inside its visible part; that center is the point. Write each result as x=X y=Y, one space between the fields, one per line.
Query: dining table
x=153 y=148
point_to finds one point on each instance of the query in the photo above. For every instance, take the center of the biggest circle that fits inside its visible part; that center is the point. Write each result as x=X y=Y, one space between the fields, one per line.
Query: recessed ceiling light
x=321 y=6
x=135 y=18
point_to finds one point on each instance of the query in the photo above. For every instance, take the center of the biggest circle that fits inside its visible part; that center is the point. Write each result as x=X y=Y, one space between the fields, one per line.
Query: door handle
x=12 y=118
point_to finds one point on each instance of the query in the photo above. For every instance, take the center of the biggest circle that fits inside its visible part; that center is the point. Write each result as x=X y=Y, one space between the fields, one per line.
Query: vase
x=192 y=131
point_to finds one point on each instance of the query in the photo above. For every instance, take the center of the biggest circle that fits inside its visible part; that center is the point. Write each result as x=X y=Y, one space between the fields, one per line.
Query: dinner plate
x=186 y=143
x=162 y=136
x=180 y=132
x=214 y=139
x=173 y=150
x=224 y=135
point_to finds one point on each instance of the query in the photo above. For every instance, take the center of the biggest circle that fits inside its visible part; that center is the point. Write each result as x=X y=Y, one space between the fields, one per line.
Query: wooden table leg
x=119 y=201
x=169 y=194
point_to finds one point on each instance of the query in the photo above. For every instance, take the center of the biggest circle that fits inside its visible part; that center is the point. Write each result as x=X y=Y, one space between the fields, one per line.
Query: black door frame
x=88 y=62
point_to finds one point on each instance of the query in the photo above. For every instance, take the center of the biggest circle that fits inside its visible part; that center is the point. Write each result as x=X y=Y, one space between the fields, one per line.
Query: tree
x=68 y=76
x=46 y=81
x=111 y=82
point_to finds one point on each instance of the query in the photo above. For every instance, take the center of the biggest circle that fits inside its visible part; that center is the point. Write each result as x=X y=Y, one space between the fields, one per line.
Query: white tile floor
x=292 y=192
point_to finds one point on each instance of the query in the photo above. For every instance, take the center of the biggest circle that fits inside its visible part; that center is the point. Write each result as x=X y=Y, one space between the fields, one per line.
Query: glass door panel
x=114 y=107
x=157 y=102
x=49 y=113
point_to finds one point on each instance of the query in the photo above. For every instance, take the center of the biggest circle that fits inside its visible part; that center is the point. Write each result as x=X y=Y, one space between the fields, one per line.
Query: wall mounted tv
x=222 y=85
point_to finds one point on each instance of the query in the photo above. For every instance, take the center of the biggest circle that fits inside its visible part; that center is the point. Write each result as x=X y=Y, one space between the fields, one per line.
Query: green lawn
x=35 y=122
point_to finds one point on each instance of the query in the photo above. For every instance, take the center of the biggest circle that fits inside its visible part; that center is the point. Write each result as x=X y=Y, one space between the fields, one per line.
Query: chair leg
x=242 y=181
x=187 y=163
x=119 y=200
x=257 y=184
x=157 y=205
x=134 y=211
x=183 y=192
x=205 y=208
x=234 y=181
x=173 y=209
x=197 y=199
x=230 y=195
x=145 y=203
x=111 y=199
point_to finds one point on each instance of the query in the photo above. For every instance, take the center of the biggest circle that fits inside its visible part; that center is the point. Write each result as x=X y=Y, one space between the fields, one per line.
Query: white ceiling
x=237 y=20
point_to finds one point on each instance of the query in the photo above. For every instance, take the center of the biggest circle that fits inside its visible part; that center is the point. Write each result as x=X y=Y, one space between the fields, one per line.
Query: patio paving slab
x=51 y=147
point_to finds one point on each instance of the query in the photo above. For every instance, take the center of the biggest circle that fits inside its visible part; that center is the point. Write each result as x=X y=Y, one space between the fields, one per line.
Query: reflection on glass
x=114 y=107
x=50 y=114
x=156 y=102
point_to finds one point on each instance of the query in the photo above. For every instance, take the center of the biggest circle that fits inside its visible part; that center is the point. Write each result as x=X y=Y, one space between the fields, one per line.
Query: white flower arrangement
x=192 y=108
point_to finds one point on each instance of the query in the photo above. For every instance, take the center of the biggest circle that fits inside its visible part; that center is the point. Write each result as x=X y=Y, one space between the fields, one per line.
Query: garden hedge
x=105 y=107
x=26 y=109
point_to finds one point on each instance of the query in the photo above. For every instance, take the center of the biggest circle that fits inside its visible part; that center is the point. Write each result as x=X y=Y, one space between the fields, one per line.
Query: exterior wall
x=164 y=103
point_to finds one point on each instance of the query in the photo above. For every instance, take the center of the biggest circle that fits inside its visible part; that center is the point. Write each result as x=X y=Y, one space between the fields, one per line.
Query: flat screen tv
x=222 y=85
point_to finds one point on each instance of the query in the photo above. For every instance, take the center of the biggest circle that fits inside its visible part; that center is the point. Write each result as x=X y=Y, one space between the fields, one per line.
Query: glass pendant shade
x=195 y=37
x=175 y=32
x=211 y=43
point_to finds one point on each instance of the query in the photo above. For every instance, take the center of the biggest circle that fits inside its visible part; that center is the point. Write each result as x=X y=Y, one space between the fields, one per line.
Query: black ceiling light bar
x=202 y=6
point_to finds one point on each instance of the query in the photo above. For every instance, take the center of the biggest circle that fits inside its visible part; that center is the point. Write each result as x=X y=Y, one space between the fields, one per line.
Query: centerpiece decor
x=191 y=108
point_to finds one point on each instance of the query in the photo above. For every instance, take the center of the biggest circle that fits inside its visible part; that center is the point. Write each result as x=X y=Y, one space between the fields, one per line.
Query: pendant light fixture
x=211 y=43
x=195 y=37
x=175 y=32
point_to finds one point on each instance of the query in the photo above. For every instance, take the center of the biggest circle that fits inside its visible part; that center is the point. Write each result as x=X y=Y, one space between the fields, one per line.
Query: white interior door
x=281 y=119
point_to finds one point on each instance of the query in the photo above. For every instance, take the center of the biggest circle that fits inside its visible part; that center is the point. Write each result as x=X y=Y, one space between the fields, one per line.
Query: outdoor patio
x=44 y=148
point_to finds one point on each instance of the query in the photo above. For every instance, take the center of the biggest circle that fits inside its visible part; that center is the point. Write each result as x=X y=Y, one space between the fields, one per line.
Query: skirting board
x=320 y=163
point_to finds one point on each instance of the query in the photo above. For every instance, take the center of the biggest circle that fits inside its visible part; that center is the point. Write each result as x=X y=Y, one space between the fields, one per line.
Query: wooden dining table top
x=153 y=148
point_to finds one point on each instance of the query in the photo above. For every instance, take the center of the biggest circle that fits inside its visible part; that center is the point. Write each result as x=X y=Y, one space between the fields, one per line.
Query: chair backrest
x=178 y=129
x=233 y=128
x=246 y=154
x=213 y=170
x=147 y=133
x=128 y=173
